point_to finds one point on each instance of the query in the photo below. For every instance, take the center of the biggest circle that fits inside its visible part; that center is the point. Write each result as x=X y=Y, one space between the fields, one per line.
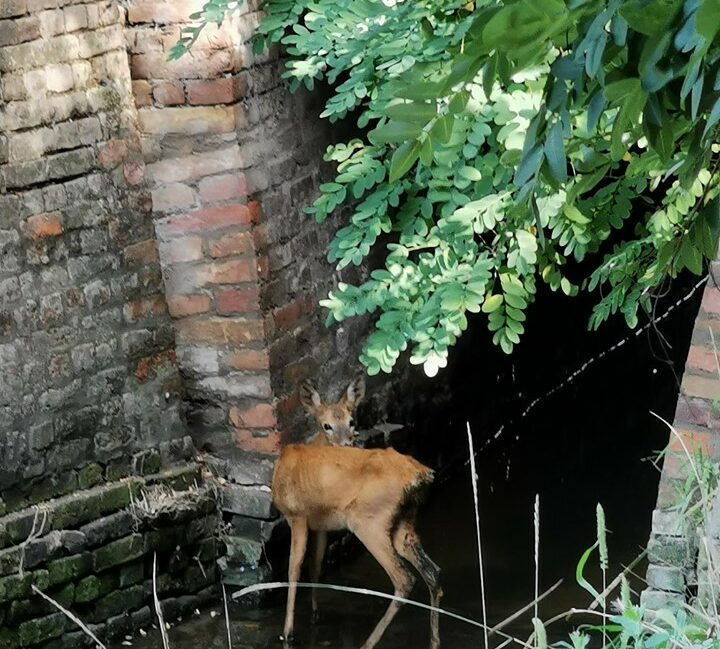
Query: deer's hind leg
x=374 y=534
x=407 y=543
x=320 y=545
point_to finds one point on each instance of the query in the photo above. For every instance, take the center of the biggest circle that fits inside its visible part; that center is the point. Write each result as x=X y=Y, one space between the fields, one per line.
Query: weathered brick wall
x=188 y=114
x=92 y=552
x=157 y=273
x=677 y=566
x=233 y=158
x=86 y=345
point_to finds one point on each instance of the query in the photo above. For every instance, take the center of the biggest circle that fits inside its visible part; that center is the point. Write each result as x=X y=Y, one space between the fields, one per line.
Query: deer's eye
x=327 y=427
x=352 y=423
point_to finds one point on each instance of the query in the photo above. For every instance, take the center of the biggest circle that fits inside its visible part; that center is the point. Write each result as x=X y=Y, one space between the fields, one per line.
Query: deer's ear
x=355 y=392
x=309 y=396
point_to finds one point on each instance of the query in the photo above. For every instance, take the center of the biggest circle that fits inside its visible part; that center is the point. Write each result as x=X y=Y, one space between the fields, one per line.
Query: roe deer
x=374 y=493
x=337 y=428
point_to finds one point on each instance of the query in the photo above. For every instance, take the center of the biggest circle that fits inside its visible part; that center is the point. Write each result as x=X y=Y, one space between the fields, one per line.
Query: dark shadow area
x=592 y=440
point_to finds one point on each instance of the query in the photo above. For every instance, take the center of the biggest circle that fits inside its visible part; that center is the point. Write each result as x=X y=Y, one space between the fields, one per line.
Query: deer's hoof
x=287 y=640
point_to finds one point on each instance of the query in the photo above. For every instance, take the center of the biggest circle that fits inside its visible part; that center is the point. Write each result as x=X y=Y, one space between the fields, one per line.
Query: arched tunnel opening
x=568 y=418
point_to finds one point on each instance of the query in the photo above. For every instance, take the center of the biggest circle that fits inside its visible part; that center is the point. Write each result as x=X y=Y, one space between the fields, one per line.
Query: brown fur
x=371 y=492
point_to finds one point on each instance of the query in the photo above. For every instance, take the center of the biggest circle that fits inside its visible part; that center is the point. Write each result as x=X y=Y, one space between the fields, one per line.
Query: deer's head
x=335 y=419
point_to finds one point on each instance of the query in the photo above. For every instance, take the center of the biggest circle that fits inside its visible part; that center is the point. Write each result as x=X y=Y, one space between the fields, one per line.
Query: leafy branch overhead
x=502 y=144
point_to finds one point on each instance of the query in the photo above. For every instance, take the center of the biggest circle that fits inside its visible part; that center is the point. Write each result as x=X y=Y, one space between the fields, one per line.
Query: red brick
x=139 y=254
x=175 y=196
x=187 y=120
x=711 y=300
x=700 y=386
x=231 y=244
x=161 y=12
x=148 y=364
x=212 y=91
x=222 y=188
x=210 y=218
x=243 y=301
x=695 y=441
x=255 y=212
x=220 y=330
x=181 y=250
x=232 y=272
x=288 y=404
x=134 y=172
x=249 y=359
x=185 y=305
x=112 y=153
x=42 y=226
x=268 y=445
x=138 y=309
x=142 y=91
x=196 y=165
x=169 y=93
x=260 y=415
x=287 y=316
x=700 y=358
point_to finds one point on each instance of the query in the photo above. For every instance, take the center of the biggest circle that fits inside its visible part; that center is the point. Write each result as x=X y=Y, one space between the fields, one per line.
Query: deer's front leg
x=298 y=542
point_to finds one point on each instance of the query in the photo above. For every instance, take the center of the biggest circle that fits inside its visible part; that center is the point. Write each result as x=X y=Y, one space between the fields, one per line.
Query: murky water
x=447 y=529
x=588 y=443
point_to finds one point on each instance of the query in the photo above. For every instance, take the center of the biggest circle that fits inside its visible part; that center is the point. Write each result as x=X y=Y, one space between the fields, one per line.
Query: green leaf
x=394 y=132
x=458 y=102
x=470 y=173
x=403 y=159
x=649 y=18
x=412 y=112
x=580 y=569
x=626 y=118
x=442 y=129
x=555 y=153
x=707 y=19
x=492 y=303
x=489 y=74
x=596 y=106
x=691 y=257
x=529 y=165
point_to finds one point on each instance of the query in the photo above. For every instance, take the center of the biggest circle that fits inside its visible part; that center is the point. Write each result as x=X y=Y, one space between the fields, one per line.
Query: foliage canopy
x=500 y=145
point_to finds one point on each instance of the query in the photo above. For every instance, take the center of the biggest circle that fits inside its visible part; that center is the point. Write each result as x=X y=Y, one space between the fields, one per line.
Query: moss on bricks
x=8 y=638
x=16 y=587
x=90 y=475
x=132 y=574
x=165 y=539
x=89 y=505
x=119 y=601
x=69 y=569
x=65 y=596
x=34 y=632
x=94 y=587
x=118 y=552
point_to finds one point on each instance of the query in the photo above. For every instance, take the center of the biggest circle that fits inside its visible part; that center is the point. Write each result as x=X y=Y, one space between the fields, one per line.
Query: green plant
x=500 y=144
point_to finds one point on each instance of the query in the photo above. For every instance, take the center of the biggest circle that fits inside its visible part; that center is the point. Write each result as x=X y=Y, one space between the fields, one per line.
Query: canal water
x=448 y=531
x=593 y=440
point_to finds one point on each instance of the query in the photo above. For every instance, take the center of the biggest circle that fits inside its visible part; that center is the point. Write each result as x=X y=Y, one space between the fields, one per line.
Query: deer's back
x=329 y=484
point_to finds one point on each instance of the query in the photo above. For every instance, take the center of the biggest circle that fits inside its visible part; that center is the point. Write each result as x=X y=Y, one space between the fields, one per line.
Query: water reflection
x=447 y=528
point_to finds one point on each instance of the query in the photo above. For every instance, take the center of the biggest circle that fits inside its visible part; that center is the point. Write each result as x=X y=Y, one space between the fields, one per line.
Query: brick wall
x=86 y=343
x=93 y=552
x=157 y=278
x=233 y=158
x=678 y=567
